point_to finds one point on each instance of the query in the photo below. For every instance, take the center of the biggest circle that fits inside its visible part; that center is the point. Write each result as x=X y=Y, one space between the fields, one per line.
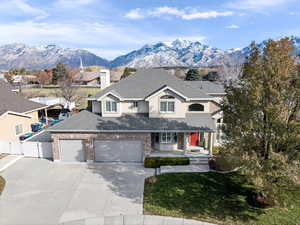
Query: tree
x=66 y=88
x=192 y=75
x=44 y=77
x=261 y=127
x=127 y=72
x=211 y=76
x=59 y=72
x=230 y=69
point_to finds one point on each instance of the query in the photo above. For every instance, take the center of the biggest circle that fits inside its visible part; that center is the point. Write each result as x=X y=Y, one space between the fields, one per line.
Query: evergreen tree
x=193 y=74
x=127 y=72
x=260 y=114
x=59 y=72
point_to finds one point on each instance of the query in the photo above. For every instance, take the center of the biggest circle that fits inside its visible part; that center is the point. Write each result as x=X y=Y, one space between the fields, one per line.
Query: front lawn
x=2 y=184
x=213 y=197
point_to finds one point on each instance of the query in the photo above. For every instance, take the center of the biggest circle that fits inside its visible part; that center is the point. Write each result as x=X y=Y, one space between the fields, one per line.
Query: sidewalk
x=8 y=161
x=136 y=220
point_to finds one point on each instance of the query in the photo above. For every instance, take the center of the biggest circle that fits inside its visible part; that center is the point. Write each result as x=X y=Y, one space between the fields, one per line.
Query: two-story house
x=150 y=113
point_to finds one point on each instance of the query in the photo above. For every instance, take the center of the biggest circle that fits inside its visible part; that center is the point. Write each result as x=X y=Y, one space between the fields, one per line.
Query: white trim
x=163 y=89
x=37 y=109
x=109 y=93
x=16 y=114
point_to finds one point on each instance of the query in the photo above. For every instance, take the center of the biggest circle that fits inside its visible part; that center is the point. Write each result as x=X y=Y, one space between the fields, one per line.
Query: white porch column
x=211 y=143
x=185 y=142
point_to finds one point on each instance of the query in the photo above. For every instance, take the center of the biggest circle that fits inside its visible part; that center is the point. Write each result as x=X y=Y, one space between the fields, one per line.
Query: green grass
x=2 y=184
x=216 y=198
x=81 y=93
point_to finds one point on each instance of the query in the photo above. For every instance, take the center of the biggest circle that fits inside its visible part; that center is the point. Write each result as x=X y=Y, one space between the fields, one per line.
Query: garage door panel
x=118 y=151
x=72 y=151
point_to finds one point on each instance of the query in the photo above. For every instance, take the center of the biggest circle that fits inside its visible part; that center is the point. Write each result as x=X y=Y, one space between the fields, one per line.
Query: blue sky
x=110 y=28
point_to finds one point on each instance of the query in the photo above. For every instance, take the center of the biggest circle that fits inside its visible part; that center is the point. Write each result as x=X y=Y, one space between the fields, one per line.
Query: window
x=135 y=104
x=219 y=130
x=168 y=138
x=196 y=108
x=111 y=106
x=167 y=104
x=19 y=129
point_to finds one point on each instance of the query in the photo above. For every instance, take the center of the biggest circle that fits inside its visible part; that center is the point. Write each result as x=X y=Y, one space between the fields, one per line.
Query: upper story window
x=196 y=107
x=19 y=129
x=111 y=106
x=167 y=104
x=135 y=104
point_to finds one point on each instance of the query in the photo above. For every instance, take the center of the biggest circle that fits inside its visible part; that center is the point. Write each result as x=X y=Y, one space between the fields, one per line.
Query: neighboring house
x=151 y=113
x=99 y=77
x=16 y=113
x=24 y=79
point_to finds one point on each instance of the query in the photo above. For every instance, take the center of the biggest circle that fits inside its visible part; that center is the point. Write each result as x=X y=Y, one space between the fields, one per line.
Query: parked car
x=35 y=127
x=25 y=136
x=64 y=114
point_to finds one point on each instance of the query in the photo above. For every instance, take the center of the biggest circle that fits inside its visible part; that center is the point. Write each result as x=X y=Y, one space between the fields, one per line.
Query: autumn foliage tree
x=262 y=134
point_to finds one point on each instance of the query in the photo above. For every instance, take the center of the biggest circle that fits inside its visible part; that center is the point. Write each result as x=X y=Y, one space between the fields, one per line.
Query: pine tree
x=260 y=113
x=59 y=72
x=192 y=75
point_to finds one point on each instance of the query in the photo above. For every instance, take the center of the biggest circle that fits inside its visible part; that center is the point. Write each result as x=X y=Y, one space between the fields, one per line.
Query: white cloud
x=135 y=14
x=186 y=14
x=103 y=39
x=257 y=4
x=233 y=27
x=21 y=6
x=72 y=3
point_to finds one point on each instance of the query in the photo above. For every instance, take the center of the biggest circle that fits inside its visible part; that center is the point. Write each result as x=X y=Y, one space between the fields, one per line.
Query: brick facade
x=89 y=138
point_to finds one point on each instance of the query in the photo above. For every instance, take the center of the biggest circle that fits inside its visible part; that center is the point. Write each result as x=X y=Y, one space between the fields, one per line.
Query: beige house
x=16 y=113
x=151 y=113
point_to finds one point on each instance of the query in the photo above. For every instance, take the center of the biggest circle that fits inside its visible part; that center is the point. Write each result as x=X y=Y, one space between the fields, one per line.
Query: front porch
x=188 y=144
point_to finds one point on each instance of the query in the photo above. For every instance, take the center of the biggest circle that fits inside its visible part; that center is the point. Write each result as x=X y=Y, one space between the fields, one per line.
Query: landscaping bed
x=216 y=198
x=2 y=184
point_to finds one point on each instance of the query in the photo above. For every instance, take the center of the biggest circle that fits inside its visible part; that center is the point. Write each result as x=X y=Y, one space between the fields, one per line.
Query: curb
x=11 y=162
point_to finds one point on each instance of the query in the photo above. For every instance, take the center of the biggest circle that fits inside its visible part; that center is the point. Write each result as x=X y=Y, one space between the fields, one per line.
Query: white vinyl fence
x=30 y=149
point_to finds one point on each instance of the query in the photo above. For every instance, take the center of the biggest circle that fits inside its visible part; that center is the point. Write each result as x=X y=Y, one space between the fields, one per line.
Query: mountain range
x=182 y=53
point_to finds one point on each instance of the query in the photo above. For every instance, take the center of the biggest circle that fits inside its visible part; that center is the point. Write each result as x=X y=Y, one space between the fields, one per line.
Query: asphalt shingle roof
x=86 y=121
x=145 y=82
x=207 y=86
x=11 y=101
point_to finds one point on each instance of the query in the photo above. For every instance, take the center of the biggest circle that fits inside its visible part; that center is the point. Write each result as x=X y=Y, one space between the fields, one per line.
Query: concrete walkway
x=136 y=220
x=8 y=161
x=184 y=169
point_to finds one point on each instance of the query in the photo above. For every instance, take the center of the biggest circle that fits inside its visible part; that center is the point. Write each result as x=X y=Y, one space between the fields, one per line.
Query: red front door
x=194 y=139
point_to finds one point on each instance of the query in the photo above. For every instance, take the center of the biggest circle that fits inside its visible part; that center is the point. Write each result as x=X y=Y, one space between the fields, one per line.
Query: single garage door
x=72 y=151
x=118 y=151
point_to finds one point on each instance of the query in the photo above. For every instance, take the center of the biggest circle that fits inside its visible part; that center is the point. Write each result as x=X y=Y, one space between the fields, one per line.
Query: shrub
x=217 y=150
x=156 y=162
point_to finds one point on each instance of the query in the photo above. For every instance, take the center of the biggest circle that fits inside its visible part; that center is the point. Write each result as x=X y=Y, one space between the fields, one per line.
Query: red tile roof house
x=148 y=113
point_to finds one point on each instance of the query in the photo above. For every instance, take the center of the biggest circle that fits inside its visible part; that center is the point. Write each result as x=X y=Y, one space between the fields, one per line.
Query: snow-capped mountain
x=21 y=55
x=177 y=53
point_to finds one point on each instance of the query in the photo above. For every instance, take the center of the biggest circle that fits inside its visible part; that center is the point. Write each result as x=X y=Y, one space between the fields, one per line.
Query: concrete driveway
x=39 y=191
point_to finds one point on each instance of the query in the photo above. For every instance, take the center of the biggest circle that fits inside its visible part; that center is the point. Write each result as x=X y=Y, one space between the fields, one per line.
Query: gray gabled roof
x=86 y=121
x=145 y=82
x=12 y=101
x=207 y=86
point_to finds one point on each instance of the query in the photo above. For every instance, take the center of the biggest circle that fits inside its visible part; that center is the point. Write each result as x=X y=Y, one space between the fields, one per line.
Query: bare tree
x=231 y=68
x=66 y=88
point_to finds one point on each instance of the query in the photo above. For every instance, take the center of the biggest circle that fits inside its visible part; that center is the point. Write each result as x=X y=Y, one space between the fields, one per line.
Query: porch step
x=199 y=160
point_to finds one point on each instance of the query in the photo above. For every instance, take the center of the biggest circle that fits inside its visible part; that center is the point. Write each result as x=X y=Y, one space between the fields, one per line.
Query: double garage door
x=105 y=151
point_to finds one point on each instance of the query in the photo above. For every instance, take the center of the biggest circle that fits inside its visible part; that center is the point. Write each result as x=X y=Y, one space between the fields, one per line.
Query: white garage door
x=118 y=151
x=72 y=151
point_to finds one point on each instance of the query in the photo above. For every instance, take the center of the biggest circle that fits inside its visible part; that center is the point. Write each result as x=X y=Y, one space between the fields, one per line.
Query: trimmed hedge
x=2 y=184
x=156 y=162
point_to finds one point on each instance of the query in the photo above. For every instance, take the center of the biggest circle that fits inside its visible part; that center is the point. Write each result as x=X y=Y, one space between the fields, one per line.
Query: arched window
x=196 y=108
x=167 y=97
